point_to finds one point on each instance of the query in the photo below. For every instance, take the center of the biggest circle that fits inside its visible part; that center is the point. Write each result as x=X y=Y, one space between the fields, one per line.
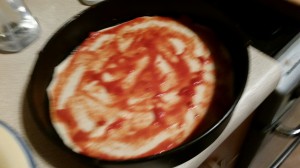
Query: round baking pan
x=112 y=12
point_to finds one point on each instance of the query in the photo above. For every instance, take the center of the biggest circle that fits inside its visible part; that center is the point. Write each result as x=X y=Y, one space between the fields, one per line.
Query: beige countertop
x=15 y=71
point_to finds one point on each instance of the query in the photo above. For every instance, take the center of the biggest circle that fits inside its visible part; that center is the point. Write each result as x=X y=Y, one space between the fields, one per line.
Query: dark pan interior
x=110 y=13
x=289 y=9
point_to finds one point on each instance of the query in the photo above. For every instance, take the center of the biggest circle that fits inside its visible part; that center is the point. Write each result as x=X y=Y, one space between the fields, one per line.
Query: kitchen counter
x=15 y=71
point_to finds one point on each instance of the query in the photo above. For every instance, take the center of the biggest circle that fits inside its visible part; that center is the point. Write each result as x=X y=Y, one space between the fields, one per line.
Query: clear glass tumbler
x=18 y=28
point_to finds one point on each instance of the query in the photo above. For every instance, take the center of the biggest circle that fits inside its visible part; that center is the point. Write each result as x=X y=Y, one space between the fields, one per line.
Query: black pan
x=285 y=7
x=112 y=12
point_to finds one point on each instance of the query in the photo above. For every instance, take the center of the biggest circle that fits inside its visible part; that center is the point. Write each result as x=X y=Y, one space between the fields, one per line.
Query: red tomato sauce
x=149 y=44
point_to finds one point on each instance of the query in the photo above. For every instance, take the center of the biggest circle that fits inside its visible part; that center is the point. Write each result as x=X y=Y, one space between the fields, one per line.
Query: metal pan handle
x=278 y=162
x=286 y=131
x=289 y=132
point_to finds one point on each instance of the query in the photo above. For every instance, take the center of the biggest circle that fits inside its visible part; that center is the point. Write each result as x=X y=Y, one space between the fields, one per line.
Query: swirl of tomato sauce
x=135 y=85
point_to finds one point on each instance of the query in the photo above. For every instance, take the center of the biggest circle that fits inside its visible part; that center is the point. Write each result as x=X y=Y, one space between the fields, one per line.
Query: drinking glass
x=18 y=28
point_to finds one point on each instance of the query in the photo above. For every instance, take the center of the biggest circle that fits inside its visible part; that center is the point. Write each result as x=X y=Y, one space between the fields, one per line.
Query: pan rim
x=149 y=158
